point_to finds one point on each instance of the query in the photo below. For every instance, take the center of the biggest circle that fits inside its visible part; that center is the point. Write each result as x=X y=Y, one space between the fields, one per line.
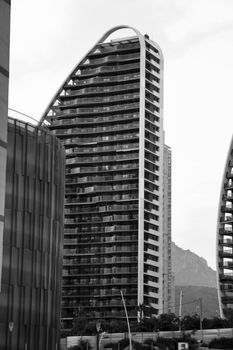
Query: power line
x=26 y=115
x=177 y=305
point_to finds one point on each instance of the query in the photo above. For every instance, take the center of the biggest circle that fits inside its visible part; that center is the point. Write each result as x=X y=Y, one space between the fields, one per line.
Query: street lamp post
x=98 y=327
x=201 y=329
x=10 y=326
x=26 y=338
x=180 y=311
x=127 y=319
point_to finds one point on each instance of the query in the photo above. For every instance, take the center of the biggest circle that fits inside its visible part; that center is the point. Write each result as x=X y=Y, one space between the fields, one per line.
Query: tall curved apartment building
x=225 y=237
x=109 y=116
x=32 y=240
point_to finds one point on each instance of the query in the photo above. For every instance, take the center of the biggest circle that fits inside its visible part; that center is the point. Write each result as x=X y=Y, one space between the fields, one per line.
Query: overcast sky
x=49 y=37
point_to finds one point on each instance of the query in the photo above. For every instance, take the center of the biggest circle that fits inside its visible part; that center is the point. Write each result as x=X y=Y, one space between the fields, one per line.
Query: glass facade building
x=4 y=80
x=32 y=239
x=109 y=116
x=225 y=237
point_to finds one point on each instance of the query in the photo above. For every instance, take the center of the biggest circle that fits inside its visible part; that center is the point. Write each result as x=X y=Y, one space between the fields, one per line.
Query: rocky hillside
x=190 y=269
x=197 y=280
x=191 y=300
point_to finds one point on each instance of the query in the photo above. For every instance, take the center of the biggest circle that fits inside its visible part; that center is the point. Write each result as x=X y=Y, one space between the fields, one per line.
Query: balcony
x=76 y=222
x=96 y=250
x=106 y=261
x=106 y=69
x=225 y=278
x=112 y=58
x=102 y=159
x=226 y=289
x=223 y=231
x=94 y=140
x=228 y=197
x=119 y=149
x=100 y=100
x=106 y=188
x=228 y=253
x=105 y=178
x=99 y=293
x=106 y=281
x=227 y=265
x=98 y=240
x=229 y=175
x=93 y=120
x=99 y=130
x=227 y=219
x=89 y=230
x=116 y=48
x=101 y=90
x=226 y=241
x=106 y=80
x=102 y=168
x=107 y=109
x=225 y=209
x=228 y=185
x=98 y=304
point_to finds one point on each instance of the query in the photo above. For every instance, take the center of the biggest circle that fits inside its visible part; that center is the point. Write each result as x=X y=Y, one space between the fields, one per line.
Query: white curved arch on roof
x=101 y=40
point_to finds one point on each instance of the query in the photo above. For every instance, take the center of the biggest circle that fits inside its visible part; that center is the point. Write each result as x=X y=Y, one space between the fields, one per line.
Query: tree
x=191 y=322
x=228 y=312
x=215 y=322
x=116 y=326
x=146 y=325
x=82 y=324
x=168 y=322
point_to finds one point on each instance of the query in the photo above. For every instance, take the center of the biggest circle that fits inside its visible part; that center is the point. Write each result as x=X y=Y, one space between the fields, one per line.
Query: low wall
x=205 y=335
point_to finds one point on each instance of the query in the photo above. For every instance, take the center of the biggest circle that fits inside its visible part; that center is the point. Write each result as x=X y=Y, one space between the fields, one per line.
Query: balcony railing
x=96 y=90
x=94 y=119
x=99 y=240
x=97 y=110
x=103 y=229
x=105 y=69
x=113 y=58
x=91 y=189
x=100 y=159
x=107 y=177
x=104 y=260
x=114 y=148
x=103 y=129
x=108 y=79
x=116 y=48
x=92 y=139
x=226 y=277
x=101 y=168
x=103 y=99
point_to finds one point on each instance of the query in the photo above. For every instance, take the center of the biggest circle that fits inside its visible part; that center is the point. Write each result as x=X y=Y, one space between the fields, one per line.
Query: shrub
x=137 y=345
x=171 y=344
x=221 y=343
x=113 y=346
x=149 y=343
x=164 y=343
x=82 y=345
x=123 y=343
